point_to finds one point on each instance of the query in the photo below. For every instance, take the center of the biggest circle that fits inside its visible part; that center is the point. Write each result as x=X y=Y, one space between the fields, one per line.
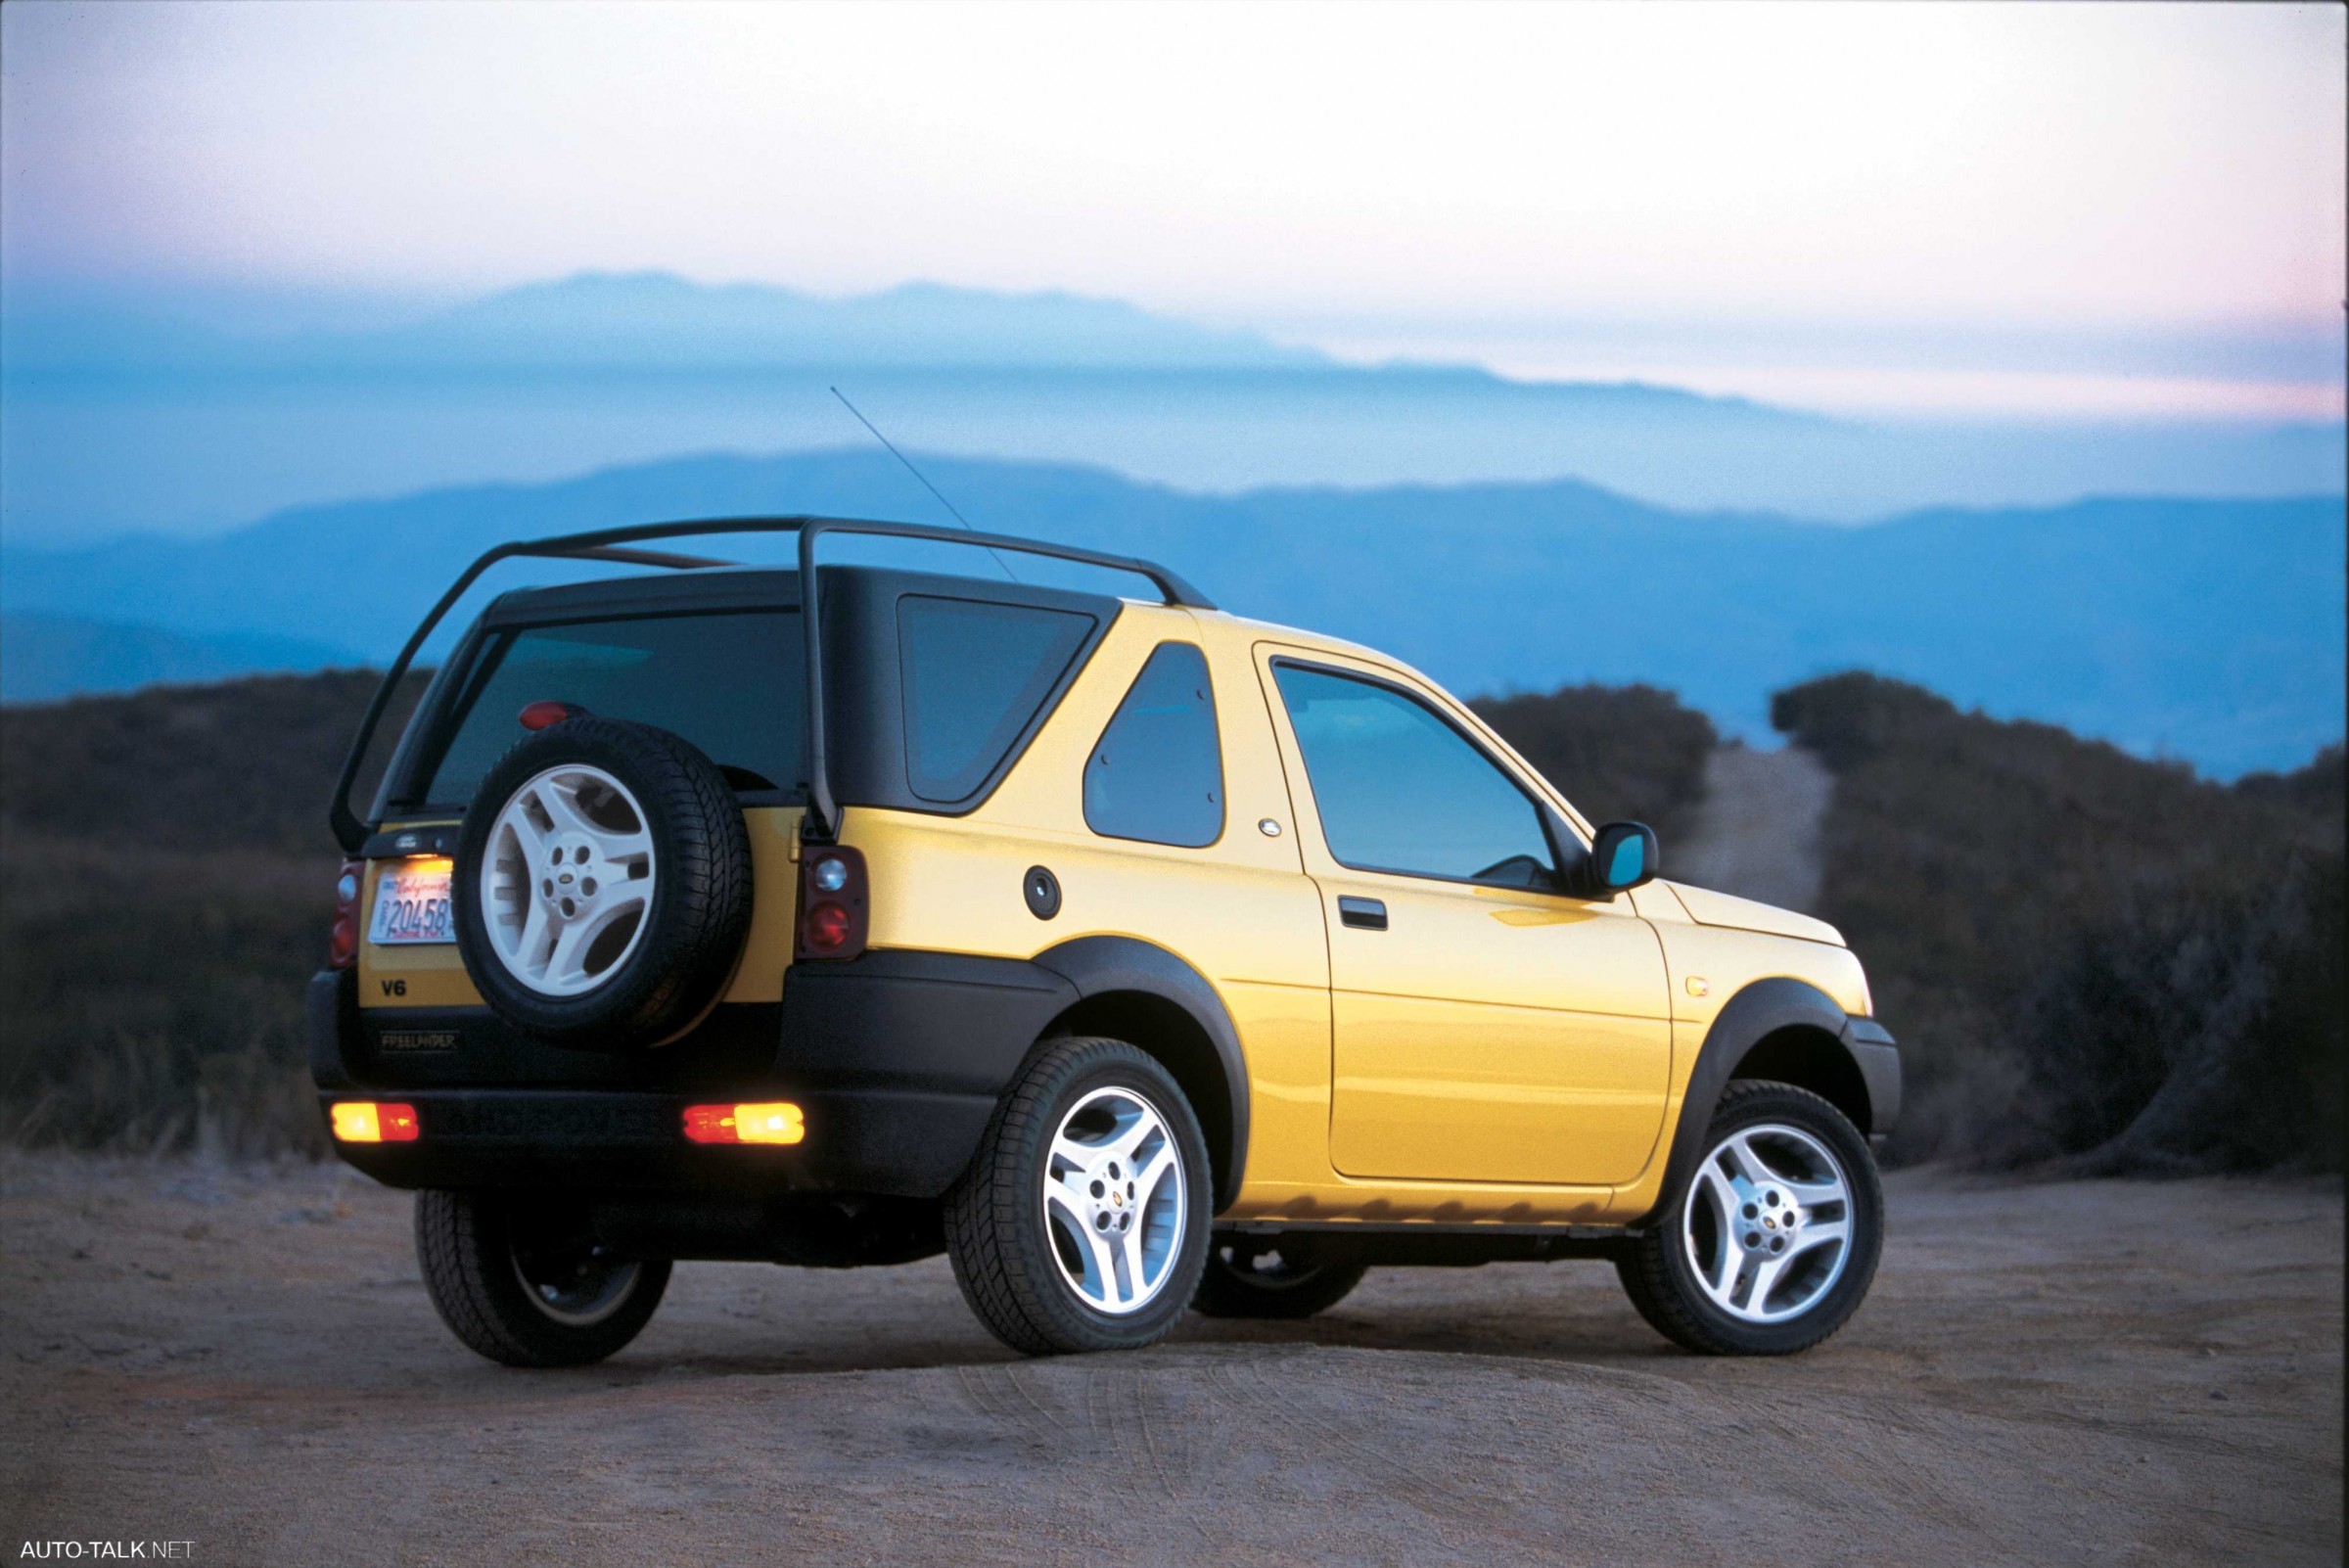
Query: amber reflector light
x=778 y=1123
x=366 y=1122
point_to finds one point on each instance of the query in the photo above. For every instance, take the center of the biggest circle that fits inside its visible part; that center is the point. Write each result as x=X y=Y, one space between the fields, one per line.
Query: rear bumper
x=895 y=1059
x=874 y=1142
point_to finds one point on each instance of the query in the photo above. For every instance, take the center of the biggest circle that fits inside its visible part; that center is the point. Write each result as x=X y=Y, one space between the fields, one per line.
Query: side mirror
x=1623 y=856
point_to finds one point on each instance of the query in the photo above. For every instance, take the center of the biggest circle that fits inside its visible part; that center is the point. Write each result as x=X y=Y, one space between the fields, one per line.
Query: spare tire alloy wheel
x=603 y=884
x=568 y=880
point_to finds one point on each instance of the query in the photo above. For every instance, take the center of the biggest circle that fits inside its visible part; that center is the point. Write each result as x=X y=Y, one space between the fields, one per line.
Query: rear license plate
x=412 y=906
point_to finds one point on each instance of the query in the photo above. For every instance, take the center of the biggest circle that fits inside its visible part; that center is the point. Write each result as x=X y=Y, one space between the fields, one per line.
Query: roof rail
x=611 y=544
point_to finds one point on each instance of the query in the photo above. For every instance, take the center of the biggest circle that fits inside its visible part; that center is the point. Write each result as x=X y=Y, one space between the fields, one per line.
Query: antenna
x=918 y=474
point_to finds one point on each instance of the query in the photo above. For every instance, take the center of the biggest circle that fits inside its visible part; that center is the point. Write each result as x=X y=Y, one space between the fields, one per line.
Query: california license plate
x=412 y=906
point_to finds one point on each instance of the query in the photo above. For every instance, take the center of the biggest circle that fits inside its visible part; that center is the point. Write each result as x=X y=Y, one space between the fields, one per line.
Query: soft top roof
x=620 y=545
x=764 y=587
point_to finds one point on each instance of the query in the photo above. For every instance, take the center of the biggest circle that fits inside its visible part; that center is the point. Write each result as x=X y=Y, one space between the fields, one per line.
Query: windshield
x=732 y=683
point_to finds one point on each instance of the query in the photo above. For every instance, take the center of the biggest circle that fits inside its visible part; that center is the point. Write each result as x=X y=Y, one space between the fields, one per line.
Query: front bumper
x=1878 y=1059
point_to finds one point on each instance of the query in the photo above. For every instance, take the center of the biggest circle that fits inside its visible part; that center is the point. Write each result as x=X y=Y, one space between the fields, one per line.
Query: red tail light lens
x=827 y=927
x=834 y=912
x=343 y=940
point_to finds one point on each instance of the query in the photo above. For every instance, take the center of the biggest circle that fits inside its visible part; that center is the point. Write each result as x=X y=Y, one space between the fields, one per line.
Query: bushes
x=2087 y=955
x=165 y=883
x=1616 y=751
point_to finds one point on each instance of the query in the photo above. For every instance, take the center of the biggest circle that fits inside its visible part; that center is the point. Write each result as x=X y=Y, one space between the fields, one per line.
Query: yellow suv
x=1136 y=955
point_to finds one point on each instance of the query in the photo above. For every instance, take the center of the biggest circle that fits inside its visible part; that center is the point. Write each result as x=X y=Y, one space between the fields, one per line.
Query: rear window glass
x=975 y=676
x=731 y=683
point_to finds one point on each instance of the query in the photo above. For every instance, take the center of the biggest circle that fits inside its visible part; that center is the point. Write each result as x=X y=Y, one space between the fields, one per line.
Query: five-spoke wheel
x=1770 y=1239
x=1113 y=1193
x=1082 y=1223
x=1767 y=1222
x=524 y=1280
x=568 y=879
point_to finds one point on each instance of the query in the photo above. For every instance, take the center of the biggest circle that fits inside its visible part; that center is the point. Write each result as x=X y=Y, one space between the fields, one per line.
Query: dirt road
x=2097 y=1372
x=1757 y=832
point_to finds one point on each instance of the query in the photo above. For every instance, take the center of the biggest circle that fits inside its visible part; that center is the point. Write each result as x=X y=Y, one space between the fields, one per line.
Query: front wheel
x=524 y=1283
x=1770 y=1242
x=1082 y=1223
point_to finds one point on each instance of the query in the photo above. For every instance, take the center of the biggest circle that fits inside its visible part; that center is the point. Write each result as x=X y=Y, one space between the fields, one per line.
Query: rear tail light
x=832 y=902
x=343 y=940
x=366 y=1122
x=780 y=1122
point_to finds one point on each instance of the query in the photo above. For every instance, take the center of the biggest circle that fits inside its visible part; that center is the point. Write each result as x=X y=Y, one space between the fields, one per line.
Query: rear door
x=1484 y=1027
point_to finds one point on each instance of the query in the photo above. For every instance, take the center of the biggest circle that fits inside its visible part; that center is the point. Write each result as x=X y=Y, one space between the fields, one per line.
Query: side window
x=1158 y=774
x=1399 y=789
x=973 y=675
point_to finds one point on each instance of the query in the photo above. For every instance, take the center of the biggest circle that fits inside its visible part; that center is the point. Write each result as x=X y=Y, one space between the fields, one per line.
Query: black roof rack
x=612 y=545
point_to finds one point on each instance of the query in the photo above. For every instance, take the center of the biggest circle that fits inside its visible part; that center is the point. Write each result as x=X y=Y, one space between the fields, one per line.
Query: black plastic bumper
x=895 y=1059
x=1880 y=1061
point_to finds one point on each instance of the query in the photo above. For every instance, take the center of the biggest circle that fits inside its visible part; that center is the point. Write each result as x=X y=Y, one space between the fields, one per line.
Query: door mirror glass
x=1623 y=856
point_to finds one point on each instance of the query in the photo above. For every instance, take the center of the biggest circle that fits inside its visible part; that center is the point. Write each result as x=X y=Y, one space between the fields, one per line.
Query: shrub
x=2085 y=955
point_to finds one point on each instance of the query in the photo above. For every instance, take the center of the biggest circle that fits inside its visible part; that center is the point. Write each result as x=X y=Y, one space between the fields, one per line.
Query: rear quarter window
x=732 y=683
x=975 y=676
x=1157 y=775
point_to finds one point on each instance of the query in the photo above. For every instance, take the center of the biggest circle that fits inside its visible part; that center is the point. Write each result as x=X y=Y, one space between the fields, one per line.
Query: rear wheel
x=524 y=1283
x=1081 y=1225
x=1770 y=1242
x=1273 y=1276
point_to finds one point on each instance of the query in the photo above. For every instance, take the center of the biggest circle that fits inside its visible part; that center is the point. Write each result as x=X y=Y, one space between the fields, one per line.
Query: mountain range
x=2206 y=630
x=131 y=413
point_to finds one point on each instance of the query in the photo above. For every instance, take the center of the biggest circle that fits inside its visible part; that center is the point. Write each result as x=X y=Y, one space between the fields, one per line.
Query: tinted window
x=973 y=675
x=1158 y=774
x=1401 y=790
x=733 y=684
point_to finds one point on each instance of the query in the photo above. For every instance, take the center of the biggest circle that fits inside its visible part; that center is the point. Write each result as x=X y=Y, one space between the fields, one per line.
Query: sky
x=2110 y=209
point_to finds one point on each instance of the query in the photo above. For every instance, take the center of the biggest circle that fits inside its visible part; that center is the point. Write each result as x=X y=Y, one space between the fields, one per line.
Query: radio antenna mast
x=919 y=475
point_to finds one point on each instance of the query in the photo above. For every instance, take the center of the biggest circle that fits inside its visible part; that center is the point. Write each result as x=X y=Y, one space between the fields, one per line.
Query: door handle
x=1366 y=915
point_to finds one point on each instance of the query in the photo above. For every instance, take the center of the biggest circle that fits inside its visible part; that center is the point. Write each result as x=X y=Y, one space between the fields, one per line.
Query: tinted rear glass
x=1158 y=774
x=731 y=683
x=975 y=674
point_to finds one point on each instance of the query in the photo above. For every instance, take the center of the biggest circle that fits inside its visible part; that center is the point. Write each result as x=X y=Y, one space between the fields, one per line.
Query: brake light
x=834 y=917
x=366 y=1122
x=342 y=940
x=779 y=1122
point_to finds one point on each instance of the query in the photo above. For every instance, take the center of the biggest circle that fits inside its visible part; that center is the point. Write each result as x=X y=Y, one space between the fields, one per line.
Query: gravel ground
x=245 y=1358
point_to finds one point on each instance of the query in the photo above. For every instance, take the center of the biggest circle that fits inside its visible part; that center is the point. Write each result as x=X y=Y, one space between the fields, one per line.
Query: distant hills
x=657 y=321
x=45 y=657
x=130 y=413
x=2205 y=631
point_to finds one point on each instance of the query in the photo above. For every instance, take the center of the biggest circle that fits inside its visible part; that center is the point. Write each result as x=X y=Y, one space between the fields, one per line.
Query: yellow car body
x=1496 y=1056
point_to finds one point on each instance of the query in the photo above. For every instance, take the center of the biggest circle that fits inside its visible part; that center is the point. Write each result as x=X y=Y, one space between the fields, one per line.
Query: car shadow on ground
x=1427 y=1327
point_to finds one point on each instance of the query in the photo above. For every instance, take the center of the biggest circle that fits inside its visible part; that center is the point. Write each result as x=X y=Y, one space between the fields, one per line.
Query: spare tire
x=602 y=885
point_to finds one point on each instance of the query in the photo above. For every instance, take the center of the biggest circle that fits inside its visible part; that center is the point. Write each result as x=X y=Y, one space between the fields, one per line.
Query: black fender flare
x=1102 y=966
x=1758 y=1011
